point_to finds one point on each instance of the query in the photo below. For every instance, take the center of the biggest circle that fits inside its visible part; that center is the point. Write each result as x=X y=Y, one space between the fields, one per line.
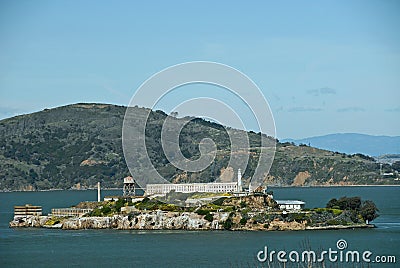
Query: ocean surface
x=32 y=247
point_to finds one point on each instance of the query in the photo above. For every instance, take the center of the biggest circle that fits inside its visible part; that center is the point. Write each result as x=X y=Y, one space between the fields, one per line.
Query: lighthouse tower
x=240 y=187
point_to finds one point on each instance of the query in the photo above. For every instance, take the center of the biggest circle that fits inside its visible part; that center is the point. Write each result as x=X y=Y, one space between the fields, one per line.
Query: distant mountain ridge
x=352 y=143
x=78 y=145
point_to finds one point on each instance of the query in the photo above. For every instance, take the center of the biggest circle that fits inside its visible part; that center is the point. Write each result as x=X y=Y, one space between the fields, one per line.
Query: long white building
x=212 y=187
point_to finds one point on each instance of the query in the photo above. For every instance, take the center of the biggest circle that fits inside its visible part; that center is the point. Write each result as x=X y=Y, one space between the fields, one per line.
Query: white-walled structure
x=98 y=192
x=213 y=187
x=290 y=204
x=239 y=180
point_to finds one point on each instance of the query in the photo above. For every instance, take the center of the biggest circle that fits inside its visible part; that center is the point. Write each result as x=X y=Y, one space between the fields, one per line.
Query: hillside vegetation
x=77 y=145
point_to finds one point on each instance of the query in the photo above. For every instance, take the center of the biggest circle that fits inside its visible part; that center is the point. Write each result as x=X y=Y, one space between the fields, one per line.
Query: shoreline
x=164 y=221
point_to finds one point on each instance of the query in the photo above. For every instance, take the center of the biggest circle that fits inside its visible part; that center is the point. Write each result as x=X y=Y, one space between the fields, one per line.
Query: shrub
x=319 y=210
x=228 y=224
x=105 y=210
x=209 y=217
x=243 y=221
x=336 y=211
x=202 y=212
x=333 y=222
x=219 y=201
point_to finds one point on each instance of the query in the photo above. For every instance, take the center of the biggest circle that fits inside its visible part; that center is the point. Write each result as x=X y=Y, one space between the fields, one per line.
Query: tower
x=240 y=188
x=129 y=186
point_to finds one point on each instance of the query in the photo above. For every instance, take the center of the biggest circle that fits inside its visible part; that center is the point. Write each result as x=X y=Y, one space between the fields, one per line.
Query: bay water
x=34 y=247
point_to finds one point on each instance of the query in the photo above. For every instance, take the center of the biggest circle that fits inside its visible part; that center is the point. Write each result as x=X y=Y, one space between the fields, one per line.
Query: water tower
x=129 y=186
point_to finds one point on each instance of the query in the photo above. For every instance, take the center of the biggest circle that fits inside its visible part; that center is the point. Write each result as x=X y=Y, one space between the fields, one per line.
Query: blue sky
x=324 y=66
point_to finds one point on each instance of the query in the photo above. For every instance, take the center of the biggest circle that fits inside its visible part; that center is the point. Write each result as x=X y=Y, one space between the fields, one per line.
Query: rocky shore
x=249 y=213
x=161 y=220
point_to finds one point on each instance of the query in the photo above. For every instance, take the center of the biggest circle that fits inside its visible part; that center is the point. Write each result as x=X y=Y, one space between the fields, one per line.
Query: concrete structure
x=290 y=205
x=116 y=198
x=69 y=212
x=213 y=187
x=239 y=180
x=112 y=198
x=129 y=187
x=98 y=192
x=27 y=210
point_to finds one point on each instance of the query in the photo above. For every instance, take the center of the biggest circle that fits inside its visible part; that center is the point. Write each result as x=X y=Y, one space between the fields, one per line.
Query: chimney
x=98 y=192
x=240 y=180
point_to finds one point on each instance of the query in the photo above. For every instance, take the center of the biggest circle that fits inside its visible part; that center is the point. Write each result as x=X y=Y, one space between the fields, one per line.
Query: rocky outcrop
x=154 y=220
x=162 y=220
x=31 y=221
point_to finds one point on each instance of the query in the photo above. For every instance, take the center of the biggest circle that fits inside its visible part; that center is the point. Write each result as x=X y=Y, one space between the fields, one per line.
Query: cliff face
x=156 y=220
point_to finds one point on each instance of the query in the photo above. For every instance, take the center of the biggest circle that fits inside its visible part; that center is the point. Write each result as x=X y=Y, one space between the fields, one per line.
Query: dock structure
x=27 y=210
x=70 y=212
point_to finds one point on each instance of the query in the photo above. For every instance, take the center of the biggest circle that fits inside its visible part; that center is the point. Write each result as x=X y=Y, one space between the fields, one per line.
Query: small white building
x=290 y=204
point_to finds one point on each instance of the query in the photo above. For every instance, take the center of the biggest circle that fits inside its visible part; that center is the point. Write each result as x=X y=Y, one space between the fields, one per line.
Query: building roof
x=289 y=202
x=128 y=179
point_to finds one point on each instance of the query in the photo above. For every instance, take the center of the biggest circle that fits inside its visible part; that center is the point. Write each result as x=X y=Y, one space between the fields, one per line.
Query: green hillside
x=77 y=145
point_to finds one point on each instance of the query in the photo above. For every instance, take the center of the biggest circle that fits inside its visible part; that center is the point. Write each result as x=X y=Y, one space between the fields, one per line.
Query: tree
x=369 y=211
x=209 y=217
x=348 y=203
x=228 y=224
x=332 y=203
x=396 y=165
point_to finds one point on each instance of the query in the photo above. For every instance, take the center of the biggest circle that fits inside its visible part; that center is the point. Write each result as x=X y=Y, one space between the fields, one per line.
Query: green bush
x=202 y=212
x=243 y=221
x=105 y=210
x=333 y=222
x=209 y=217
x=319 y=210
x=228 y=224
x=336 y=212
x=219 y=201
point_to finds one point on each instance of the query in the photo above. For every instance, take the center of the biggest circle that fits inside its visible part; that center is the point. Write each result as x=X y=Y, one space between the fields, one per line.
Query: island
x=258 y=211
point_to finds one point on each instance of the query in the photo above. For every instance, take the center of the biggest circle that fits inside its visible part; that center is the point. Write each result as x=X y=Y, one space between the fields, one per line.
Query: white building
x=212 y=187
x=290 y=204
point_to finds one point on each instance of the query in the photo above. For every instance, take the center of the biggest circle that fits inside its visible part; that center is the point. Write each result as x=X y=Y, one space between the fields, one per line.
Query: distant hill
x=352 y=143
x=75 y=146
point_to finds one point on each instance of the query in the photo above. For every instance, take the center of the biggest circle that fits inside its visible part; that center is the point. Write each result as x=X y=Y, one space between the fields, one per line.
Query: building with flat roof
x=70 y=212
x=211 y=187
x=290 y=204
x=27 y=210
